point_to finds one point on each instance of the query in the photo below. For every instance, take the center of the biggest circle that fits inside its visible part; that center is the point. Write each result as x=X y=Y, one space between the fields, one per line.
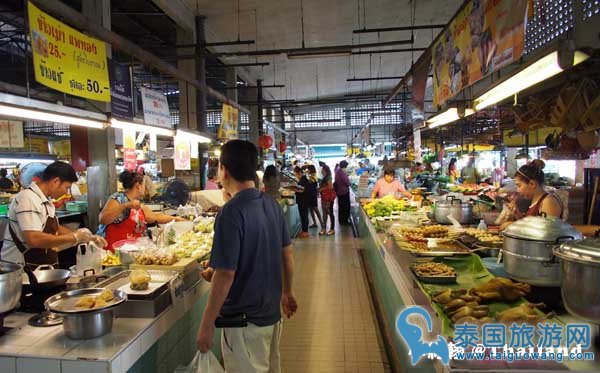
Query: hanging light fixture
x=544 y=68
x=451 y=115
x=23 y=113
x=115 y=123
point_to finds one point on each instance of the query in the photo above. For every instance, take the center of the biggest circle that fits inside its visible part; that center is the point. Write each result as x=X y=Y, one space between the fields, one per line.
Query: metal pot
x=528 y=245
x=580 y=266
x=87 y=323
x=10 y=285
x=462 y=212
x=46 y=276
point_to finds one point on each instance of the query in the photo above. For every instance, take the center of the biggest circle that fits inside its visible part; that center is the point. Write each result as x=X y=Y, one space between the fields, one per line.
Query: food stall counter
x=157 y=344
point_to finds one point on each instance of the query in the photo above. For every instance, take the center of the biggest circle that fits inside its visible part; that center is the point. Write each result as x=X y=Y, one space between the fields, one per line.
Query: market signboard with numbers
x=67 y=60
x=228 y=128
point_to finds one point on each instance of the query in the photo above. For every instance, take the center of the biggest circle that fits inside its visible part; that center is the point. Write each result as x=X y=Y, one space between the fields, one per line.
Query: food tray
x=438 y=253
x=64 y=303
x=184 y=265
x=436 y=279
x=159 y=283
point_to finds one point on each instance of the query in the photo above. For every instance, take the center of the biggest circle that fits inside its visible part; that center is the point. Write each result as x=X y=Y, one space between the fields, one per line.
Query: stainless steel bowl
x=459 y=210
x=10 y=285
x=580 y=265
x=84 y=323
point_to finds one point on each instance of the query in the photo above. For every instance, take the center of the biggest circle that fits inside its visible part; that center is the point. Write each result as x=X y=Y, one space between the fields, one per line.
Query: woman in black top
x=302 y=200
x=312 y=194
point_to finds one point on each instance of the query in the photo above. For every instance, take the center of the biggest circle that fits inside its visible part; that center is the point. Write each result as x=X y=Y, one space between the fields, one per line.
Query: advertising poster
x=182 y=154
x=228 y=129
x=129 y=156
x=156 y=108
x=11 y=134
x=484 y=36
x=67 y=60
x=121 y=102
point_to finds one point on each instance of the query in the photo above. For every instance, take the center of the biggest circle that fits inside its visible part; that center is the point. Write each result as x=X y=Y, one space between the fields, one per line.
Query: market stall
x=139 y=314
x=412 y=260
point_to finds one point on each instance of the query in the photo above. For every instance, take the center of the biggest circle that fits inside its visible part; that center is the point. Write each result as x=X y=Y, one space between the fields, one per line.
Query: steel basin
x=10 y=285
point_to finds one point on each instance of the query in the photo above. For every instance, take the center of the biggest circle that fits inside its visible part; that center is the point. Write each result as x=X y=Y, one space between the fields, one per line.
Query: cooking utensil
x=462 y=212
x=580 y=266
x=10 y=285
x=84 y=323
x=527 y=250
x=46 y=276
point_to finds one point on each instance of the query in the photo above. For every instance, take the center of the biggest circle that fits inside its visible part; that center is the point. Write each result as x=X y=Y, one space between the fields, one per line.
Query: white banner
x=11 y=134
x=156 y=108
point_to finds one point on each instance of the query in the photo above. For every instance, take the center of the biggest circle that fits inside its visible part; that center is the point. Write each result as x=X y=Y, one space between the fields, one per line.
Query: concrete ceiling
x=326 y=23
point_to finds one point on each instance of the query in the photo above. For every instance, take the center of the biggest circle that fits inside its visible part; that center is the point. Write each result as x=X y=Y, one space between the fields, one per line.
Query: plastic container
x=482 y=226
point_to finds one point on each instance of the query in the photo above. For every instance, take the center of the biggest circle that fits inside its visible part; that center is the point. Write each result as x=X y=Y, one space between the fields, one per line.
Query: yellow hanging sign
x=67 y=60
x=228 y=128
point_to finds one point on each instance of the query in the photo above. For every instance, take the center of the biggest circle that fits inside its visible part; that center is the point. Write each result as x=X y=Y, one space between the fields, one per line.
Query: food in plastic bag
x=202 y=363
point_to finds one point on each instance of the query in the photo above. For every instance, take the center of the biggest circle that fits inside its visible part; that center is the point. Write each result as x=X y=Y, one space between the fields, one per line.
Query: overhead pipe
x=314 y=50
x=401 y=28
x=375 y=78
x=81 y=22
x=402 y=50
x=217 y=44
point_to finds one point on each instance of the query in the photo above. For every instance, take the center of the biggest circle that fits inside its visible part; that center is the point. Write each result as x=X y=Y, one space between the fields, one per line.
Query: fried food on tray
x=432 y=269
x=139 y=279
x=500 y=289
x=99 y=302
x=85 y=302
x=524 y=313
x=106 y=295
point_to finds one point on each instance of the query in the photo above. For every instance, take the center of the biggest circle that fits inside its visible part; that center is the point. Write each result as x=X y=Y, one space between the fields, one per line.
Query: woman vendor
x=388 y=185
x=124 y=216
x=530 y=185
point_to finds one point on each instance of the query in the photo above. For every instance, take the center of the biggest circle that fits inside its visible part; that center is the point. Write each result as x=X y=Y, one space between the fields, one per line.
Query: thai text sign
x=228 y=128
x=67 y=60
x=156 y=108
x=484 y=36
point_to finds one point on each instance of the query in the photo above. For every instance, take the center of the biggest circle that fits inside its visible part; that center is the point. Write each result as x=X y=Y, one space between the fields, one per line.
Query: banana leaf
x=470 y=273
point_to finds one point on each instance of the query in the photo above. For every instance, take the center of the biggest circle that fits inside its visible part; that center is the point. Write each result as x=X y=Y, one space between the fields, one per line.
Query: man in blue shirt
x=251 y=268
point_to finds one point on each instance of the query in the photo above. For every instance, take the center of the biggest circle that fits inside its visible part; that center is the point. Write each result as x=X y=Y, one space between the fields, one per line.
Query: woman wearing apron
x=123 y=216
x=34 y=236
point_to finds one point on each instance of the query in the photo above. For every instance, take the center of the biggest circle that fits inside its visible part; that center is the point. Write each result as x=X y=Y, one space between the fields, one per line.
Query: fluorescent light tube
x=544 y=68
x=115 y=123
x=194 y=137
x=16 y=112
x=448 y=116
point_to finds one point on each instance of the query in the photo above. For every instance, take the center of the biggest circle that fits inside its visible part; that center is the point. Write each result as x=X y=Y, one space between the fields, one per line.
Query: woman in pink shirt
x=213 y=179
x=388 y=185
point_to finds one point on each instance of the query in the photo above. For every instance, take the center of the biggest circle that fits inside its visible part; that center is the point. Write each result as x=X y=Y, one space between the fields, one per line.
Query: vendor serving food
x=34 y=235
x=124 y=216
x=388 y=185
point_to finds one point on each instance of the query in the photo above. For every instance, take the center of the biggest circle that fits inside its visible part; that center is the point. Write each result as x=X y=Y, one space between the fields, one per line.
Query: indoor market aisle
x=335 y=327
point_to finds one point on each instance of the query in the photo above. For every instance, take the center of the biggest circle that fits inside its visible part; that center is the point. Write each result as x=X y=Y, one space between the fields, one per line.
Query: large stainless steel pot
x=459 y=210
x=527 y=250
x=46 y=276
x=87 y=323
x=10 y=285
x=580 y=266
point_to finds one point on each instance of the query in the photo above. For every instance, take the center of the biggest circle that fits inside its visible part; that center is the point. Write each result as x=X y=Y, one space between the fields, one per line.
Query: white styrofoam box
x=8 y=364
x=79 y=366
x=30 y=365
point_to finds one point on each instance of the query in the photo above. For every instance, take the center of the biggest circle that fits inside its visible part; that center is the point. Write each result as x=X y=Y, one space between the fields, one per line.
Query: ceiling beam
x=81 y=22
x=375 y=78
x=179 y=12
x=401 y=50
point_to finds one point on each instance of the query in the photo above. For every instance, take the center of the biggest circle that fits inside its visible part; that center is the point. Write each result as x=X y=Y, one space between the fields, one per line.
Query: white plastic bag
x=203 y=363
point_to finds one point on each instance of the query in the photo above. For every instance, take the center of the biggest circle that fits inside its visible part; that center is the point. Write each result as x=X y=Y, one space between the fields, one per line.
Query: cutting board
x=184 y=265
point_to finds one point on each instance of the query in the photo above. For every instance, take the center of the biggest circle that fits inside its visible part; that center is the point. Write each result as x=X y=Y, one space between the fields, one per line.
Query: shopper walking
x=252 y=269
x=327 y=200
x=312 y=194
x=342 y=189
x=272 y=181
x=302 y=200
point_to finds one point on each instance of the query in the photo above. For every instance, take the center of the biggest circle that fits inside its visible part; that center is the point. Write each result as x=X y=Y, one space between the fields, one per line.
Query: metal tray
x=64 y=303
x=435 y=279
x=159 y=282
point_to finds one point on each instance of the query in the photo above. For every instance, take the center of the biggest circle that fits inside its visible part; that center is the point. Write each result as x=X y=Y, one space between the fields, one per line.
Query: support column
x=231 y=81
x=201 y=73
x=102 y=173
x=253 y=133
x=259 y=99
x=187 y=92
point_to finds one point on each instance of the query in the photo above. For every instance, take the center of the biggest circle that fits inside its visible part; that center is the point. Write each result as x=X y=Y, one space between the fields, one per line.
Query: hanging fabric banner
x=156 y=108
x=121 y=102
x=182 y=153
x=484 y=36
x=67 y=60
x=129 y=156
x=11 y=134
x=228 y=129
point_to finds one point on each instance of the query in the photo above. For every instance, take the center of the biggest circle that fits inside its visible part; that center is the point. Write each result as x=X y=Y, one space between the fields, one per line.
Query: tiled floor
x=334 y=329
